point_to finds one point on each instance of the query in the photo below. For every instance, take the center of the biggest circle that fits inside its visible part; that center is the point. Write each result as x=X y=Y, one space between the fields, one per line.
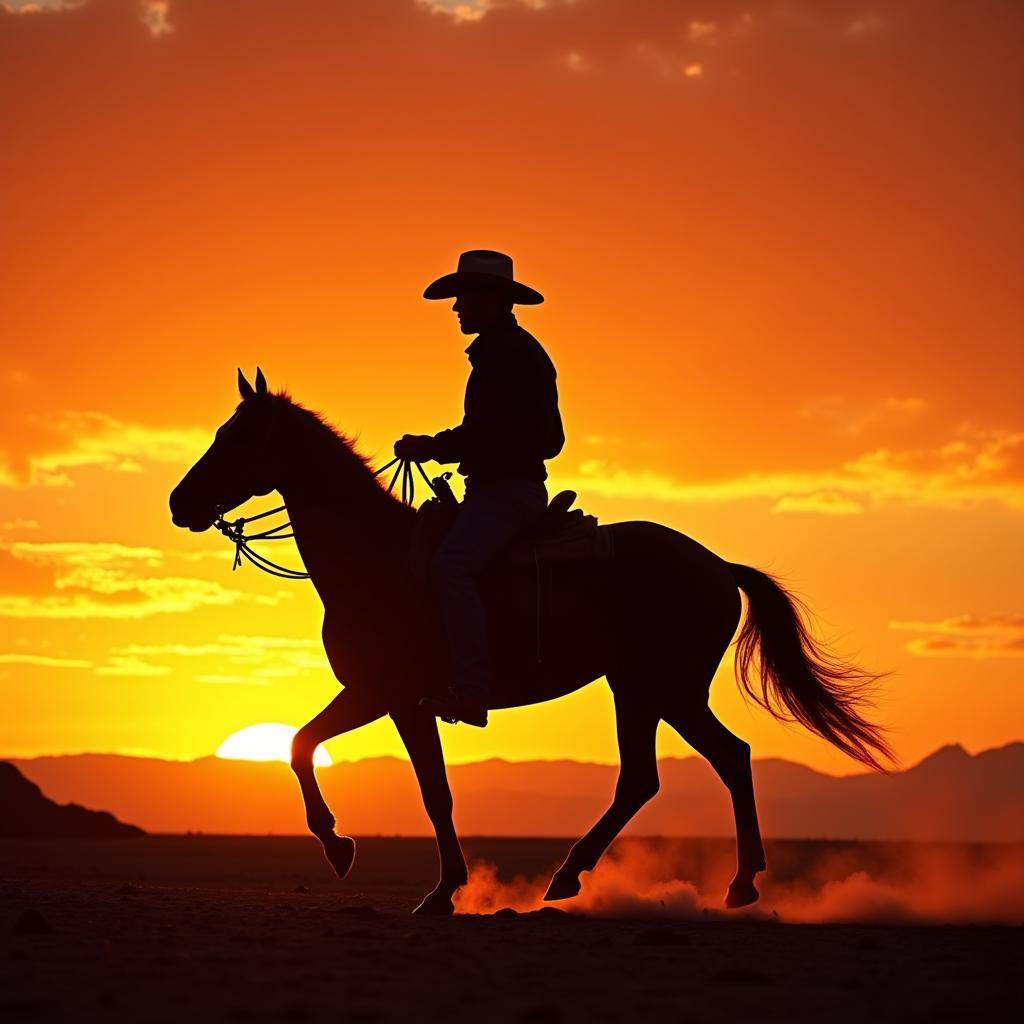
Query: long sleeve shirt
x=511 y=422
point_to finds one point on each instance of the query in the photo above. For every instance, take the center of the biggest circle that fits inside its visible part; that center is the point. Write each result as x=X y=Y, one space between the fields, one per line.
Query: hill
x=27 y=814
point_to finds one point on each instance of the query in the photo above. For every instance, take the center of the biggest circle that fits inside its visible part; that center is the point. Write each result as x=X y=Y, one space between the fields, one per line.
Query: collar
x=483 y=339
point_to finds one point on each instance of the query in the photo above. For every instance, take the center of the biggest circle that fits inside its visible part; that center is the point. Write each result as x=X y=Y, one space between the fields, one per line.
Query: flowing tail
x=799 y=680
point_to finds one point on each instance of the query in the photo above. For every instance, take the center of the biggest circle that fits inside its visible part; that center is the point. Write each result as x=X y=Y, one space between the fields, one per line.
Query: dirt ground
x=255 y=929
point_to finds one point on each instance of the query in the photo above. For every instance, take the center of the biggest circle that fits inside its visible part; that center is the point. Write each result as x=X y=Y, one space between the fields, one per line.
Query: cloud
x=826 y=502
x=981 y=468
x=702 y=31
x=19 y=524
x=851 y=419
x=575 y=61
x=153 y=14
x=74 y=440
x=249 y=660
x=43 y=661
x=38 y=6
x=970 y=636
x=110 y=581
x=459 y=12
x=127 y=666
x=475 y=10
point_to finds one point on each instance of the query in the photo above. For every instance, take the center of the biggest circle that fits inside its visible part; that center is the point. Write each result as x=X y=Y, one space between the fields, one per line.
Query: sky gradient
x=781 y=245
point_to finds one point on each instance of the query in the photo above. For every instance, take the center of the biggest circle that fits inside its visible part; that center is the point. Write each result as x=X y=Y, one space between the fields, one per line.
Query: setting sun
x=268 y=741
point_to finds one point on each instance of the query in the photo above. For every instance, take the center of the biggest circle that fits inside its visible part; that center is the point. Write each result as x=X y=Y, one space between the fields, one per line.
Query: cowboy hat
x=483 y=267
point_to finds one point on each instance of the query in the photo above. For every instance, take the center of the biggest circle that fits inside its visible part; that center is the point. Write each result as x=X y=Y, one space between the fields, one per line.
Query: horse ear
x=261 y=382
x=244 y=387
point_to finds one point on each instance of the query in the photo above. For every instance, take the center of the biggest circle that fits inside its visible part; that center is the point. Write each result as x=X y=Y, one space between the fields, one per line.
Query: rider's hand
x=416 y=447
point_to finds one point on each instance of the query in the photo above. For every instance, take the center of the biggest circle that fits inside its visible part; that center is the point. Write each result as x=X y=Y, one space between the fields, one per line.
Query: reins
x=234 y=530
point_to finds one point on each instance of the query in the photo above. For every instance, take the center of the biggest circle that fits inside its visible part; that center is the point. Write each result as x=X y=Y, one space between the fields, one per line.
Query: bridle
x=234 y=530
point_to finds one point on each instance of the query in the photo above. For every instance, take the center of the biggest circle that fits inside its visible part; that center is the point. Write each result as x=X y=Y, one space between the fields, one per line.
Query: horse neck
x=350 y=532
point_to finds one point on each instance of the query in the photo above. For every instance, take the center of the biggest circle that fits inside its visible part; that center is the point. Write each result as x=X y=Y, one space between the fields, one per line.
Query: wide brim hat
x=479 y=267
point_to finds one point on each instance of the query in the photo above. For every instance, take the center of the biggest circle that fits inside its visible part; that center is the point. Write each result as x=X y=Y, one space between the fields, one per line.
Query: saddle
x=563 y=533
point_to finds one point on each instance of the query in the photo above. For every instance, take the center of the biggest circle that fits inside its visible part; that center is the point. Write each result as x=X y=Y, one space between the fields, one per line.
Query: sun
x=268 y=741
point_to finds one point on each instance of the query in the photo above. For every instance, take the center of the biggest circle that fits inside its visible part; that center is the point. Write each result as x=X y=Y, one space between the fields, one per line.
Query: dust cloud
x=903 y=885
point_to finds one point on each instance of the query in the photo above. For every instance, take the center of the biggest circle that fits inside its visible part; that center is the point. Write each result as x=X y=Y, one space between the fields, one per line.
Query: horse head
x=239 y=465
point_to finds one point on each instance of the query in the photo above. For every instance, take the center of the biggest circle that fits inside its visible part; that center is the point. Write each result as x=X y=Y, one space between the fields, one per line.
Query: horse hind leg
x=730 y=758
x=636 y=726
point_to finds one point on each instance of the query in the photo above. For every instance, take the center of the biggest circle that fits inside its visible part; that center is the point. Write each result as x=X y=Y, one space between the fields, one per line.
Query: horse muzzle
x=190 y=518
x=195 y=523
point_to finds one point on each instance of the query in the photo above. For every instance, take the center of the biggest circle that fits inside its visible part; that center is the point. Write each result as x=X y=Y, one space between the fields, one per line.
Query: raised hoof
x=436 y=904
x=340 y=852
x=741 y=894
x=562 y=887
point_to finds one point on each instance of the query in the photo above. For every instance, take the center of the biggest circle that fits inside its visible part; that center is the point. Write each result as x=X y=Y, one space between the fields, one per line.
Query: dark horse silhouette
x=655 y=621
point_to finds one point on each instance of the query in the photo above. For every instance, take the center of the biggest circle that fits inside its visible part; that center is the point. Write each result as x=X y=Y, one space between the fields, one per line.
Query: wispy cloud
x=111 y=581
x=154 y=15
x=43 y=661
x=575 y=61
x=971 y=636
x=75 y=440
x=849 y=418
x=38 y=6
x=120 y=665
x=476 y=10
x=986 y=467
x=829 y=503
x=18 y=524
x=253 y=660
x=702 y=31
x=457 y=11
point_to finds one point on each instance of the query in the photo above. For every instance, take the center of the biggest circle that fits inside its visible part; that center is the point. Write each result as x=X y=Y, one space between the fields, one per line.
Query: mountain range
x=950 y=795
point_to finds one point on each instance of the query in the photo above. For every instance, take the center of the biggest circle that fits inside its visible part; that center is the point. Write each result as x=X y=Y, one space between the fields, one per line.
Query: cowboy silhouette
x=510 y=427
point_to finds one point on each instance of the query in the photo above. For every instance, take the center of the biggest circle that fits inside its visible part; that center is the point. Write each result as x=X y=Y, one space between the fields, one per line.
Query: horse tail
x=798 y=679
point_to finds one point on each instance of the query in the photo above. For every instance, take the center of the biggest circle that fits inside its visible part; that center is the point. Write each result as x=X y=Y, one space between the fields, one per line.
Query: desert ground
x=166 y=928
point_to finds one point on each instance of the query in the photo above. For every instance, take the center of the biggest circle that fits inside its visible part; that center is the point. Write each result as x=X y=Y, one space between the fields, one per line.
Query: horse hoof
x=435 y=905
x=340 y=852
x=741 y=894
x=562 y=887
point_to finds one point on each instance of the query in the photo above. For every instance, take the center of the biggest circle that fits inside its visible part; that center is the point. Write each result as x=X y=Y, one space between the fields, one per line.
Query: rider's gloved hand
x=417 y=447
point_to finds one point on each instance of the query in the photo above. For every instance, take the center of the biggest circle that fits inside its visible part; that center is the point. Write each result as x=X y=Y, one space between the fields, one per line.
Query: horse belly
x=541 y=658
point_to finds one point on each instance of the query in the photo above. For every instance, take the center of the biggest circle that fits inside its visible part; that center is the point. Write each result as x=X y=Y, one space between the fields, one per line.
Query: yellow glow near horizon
x=267 y=741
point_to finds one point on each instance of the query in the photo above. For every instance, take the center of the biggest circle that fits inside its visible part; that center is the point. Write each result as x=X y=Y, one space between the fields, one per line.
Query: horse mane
x=339 y=443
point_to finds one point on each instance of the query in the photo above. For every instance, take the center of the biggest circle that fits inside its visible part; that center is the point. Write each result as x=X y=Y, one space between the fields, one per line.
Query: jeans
x=492 y=515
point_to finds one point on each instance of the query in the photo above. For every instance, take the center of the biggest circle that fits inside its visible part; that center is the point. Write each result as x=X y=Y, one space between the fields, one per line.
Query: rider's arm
x=448 y=445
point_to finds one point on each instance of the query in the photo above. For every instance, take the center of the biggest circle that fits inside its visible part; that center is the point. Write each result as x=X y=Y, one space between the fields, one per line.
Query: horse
x=655 y=621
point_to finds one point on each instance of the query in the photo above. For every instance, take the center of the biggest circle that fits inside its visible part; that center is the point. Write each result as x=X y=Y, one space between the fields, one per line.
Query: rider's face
x=478 y=308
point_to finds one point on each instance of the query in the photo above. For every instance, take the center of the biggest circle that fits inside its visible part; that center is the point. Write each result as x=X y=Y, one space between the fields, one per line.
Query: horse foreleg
x=637 y=727
x=730 y=758
x=346 y=712
x=419 y=734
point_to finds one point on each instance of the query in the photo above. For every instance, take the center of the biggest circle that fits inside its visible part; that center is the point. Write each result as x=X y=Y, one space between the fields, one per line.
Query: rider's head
x=481 y=305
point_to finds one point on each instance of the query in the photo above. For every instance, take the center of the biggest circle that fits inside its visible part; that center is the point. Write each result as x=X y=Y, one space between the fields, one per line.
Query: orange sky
x=782 y=250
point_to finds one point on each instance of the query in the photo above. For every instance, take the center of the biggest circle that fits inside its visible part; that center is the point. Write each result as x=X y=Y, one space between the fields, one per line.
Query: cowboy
x=510 y=427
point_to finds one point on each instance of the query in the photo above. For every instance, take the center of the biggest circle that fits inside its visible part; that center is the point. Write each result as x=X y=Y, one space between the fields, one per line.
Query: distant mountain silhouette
x=26 y=814
x=950 y=795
